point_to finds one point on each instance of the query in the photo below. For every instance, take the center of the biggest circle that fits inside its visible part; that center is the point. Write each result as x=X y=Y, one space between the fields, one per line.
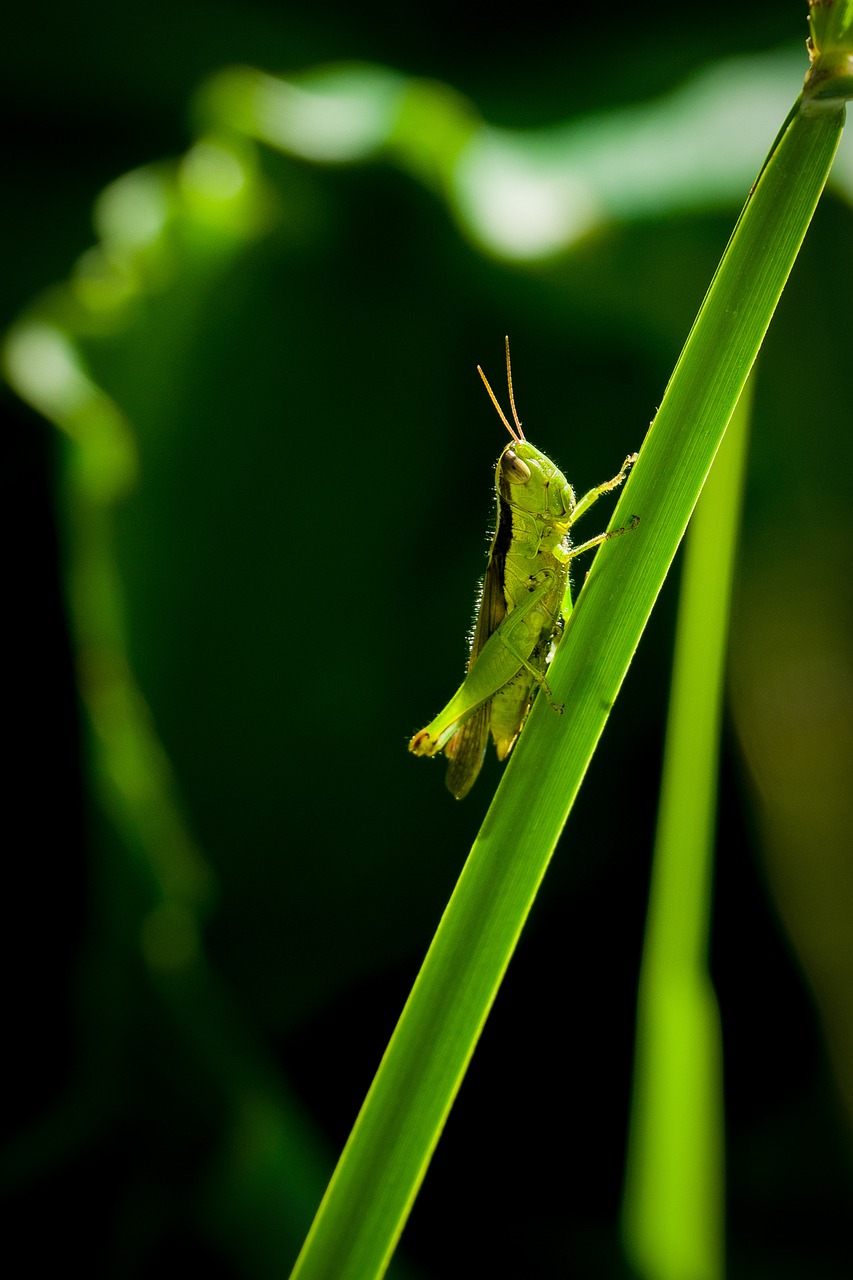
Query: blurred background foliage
x=259 y=550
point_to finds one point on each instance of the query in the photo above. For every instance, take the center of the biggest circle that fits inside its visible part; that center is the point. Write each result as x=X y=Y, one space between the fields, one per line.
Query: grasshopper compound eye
x=515 y=471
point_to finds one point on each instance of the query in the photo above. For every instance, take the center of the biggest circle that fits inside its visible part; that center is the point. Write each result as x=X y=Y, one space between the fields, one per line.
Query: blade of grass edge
x=376 y=1180
x=672 y=1211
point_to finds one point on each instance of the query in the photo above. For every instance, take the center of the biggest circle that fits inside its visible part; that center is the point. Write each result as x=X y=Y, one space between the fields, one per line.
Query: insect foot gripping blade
x=520 y=613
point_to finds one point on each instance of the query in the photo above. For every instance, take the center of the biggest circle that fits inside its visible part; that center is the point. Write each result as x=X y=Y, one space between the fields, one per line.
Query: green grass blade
x=673 y=1204
x=371 y=1192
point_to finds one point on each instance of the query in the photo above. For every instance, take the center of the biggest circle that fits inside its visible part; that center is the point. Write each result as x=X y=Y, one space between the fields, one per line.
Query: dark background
x=304 y=417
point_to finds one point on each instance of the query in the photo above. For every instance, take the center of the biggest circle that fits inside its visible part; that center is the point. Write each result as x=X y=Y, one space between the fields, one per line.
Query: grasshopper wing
x=467 y=747
x=466 y=750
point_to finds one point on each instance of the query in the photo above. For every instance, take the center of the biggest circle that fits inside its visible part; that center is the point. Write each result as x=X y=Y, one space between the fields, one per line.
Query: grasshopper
x=524 y=603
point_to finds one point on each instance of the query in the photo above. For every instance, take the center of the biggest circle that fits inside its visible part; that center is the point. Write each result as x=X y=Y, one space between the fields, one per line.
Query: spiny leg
x=568 y=603
x=584 y=504
x=602 y=537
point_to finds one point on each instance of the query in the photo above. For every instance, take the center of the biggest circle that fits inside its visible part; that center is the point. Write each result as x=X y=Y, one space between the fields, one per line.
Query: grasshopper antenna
x=517 y=434
x=511 y=396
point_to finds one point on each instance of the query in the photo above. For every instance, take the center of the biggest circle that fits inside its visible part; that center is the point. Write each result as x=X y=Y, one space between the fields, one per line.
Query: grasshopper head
x=531 y=482
x=525 y=477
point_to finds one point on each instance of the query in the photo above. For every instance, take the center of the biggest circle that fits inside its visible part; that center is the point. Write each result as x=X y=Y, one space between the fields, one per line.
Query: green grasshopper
x=524 y=603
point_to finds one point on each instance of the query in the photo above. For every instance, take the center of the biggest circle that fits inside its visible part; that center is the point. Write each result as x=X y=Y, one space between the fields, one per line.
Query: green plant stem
x=378 y=1175
x=672 y=1216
